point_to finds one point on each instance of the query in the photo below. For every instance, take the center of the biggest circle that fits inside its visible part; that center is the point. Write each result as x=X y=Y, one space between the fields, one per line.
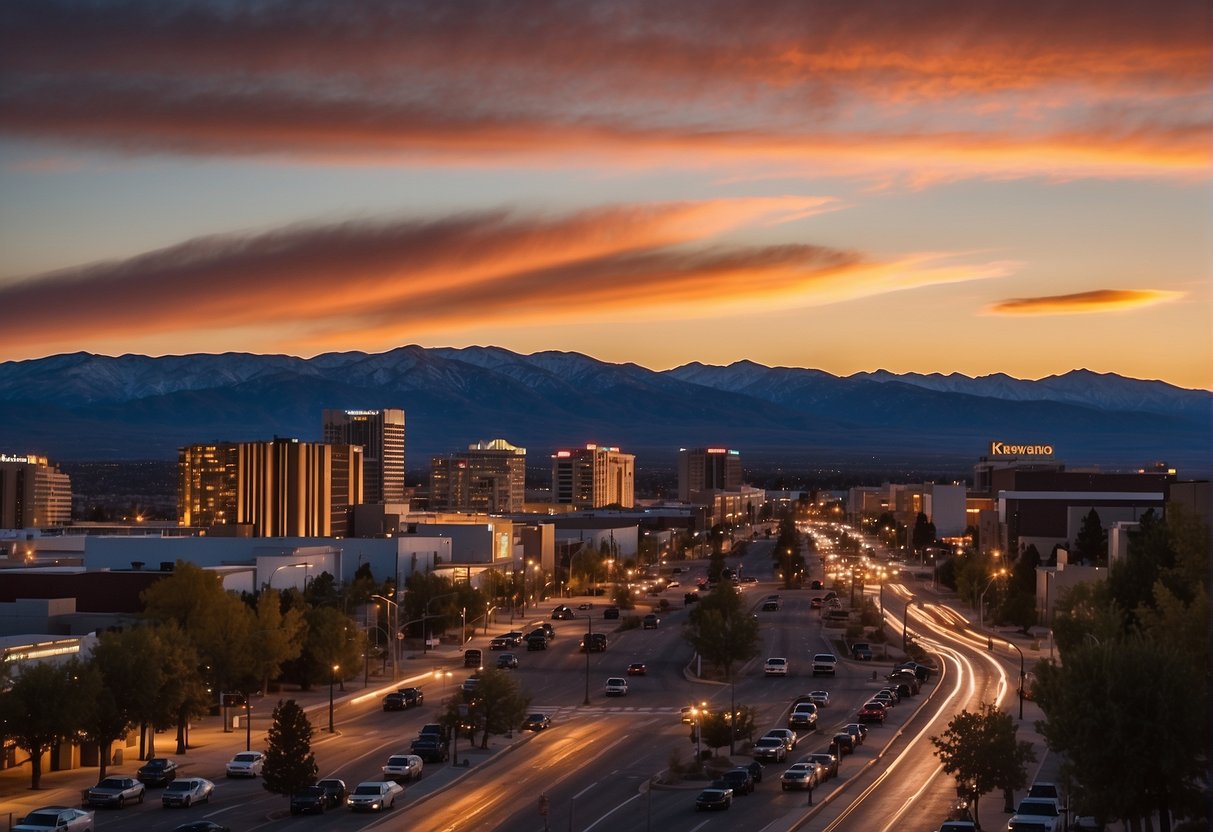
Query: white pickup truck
x=824 y=664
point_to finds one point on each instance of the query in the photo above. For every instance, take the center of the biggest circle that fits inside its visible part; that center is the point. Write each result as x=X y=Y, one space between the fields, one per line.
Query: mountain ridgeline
x=82 y=407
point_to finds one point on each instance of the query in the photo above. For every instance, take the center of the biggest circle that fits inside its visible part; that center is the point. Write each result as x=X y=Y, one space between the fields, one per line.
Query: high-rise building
x=593 y=476
x=381 y=435
x=281 y=488
x=489 y=477
x=707 y=469
x=33 y=493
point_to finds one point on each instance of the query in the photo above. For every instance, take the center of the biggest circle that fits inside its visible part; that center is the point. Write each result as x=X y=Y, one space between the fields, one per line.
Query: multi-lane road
x=594 y=769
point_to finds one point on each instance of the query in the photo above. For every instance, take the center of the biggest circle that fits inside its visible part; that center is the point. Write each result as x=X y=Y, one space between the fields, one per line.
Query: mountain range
x=82 y=407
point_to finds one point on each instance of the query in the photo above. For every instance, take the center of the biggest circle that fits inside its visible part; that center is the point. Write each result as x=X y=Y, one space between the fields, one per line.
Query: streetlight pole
x=981 y=605
x=395 y=649
x=332 y=679
x=589 y=640
x=425 y=641
x=270 y=581
x=1022 y=675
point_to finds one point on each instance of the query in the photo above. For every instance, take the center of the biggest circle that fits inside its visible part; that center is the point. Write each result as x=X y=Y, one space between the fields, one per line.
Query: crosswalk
x=599 y=710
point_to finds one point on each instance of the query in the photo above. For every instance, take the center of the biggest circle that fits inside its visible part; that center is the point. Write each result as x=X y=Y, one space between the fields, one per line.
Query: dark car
x=309 y=800
x=434 y=729
x=714 y=798
x=537 y=642
x=610 y=612
x=394 y=702
x=334 y=791
x=845 y=742
x=755 y=769
x=827 y=761
x=857 y=730
x=539 y=632
x=413 y=697
x=922 y=671
x=536 y=722
x=563 y=613
x=739 y=780
x=430 y=748
x=594 y=642
x=158 y=771
x=898 y=678
x=861 y=651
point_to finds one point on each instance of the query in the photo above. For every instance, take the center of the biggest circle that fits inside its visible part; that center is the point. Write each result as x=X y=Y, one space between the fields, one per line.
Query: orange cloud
x=1080 y=303
x=1089 y=88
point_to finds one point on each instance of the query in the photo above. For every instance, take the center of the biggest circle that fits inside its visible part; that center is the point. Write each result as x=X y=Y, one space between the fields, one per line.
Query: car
x=687 y=714
x=158 y=771
x=394 y=702
x=884 y=697
x=536 y=722
x=616 y=686
x=430 y=748
x=958 y=826
x=714 y=798
x=770 y=749
x=1036 y=814
x=775 y=666
x=904 y=677
x=894 y=693
x=637 y=669
x=787 y=735
x=116 y=791
x=537 y=642
x=825 y=664
x=871 y=712
x=310 y=800
x=245 y=764
x=401 y=767
x=501 y=643
x=770 y=605
x=597 y=642
x=202 y=826
x=187 y=791
x=739 y=780
x=374 y=796
x=650 y=622
x=516 y=638
x=586 y=605
x=56 y=818
x=563 y=613
x=755 y=769
x=690 y=598
x=507 y=661
x=805 y=775
x=611 y=612
x=804 y=716
x=858 y=730
x=861 y=651
x=820 y=698
x=434 y=729
x=845 y=742
x=473 y=658
x=921 y=671
x=1044 y=789
x=469 y=686
x=827 y=761
x=334 y=791
x=413 y=697
x=672 y=585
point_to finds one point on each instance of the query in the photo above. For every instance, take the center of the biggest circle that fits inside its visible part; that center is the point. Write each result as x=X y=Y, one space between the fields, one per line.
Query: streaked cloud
x=1088 y=89
x=1079 y=303
x=318 y=287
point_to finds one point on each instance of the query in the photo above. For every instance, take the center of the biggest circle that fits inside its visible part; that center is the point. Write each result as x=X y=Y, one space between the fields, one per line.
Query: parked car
x=637 y=669
x=858 y=730
x=536 y=722
x=158 y=771
x=507 y=661
x=755 y=769
x=401 y=767
x=436 y=730
x=713 y=798
x=187 y=791
x=803 y=775
x=787 y=735
x=310 y=800
x=845 y=742
x=739 y=780
x=872 y=711
x=430 y=748
x=905 y=677
x=245 y=764
x=374 y=796
x=804 y=716
x=861 y=651
x=116 y=791
x=334 y=791
x=56 y=818
x=616 y=686
x=827 y=761
x=770 y=749
x=1036 y=814
x=921 y=671
x=775 y=666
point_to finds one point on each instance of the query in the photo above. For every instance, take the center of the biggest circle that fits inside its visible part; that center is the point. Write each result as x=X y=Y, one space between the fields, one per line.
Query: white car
x=116 y=791
x=403 y=767
x=789 y=737
x=56 y=818
x=374 y=796
x=187 y=792
x=820 y=698
x=246 y=764
x=775 y=666
x=616 y=686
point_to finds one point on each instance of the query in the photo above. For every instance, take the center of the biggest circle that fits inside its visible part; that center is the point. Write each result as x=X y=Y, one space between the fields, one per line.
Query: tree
x=1091 y=545
x=923 y=534
x=499 y=704
x=279 y=637
x=41 y=708
x=981 y=751
x=104 y=720
x=721 y=630
x=289 y=762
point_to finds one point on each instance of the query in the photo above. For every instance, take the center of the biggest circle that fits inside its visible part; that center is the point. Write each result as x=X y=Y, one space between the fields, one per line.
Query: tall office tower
x=381 y=435
x=283 y=488
x=594 y=476
x=206 y=484
x=490 y=478
x=33 y=493
x=707 y=469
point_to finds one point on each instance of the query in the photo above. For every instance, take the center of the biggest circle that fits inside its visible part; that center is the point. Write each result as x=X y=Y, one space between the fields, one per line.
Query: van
x=472 y=658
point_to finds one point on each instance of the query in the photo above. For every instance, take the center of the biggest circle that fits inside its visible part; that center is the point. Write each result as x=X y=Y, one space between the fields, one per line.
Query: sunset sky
x=972 y=187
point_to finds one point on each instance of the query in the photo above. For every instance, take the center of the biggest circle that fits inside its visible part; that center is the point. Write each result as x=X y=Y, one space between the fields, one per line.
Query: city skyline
x=937 y=188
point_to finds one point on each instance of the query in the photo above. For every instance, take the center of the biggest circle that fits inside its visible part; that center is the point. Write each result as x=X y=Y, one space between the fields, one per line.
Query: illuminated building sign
x=1007 y=449
x=22 y=459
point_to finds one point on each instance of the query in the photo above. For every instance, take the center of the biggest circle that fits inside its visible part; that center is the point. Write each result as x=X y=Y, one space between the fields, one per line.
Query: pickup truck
x=825 y=664
x=1036 y=814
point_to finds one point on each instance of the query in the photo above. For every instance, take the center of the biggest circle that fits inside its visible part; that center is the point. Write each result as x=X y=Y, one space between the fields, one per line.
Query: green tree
x=41 y=708
x=981 y=752
x=289 y=762
x=721 y=631
x=103 y=720
x=499 y=705
x=1091 y=545
x=923 y=534
x=279 y=637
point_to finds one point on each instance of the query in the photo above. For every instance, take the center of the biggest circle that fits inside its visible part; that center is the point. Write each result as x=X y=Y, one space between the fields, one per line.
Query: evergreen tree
x=1091 y=547
x=289 y=762
x=981 y=751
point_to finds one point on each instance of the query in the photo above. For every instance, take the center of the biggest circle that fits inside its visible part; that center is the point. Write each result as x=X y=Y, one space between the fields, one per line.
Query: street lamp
x=270 y=582
x=1022 y=675
x=332 y=679
x=981 y=605
x=394 y=637
x=589 y=640
x=697 y=711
